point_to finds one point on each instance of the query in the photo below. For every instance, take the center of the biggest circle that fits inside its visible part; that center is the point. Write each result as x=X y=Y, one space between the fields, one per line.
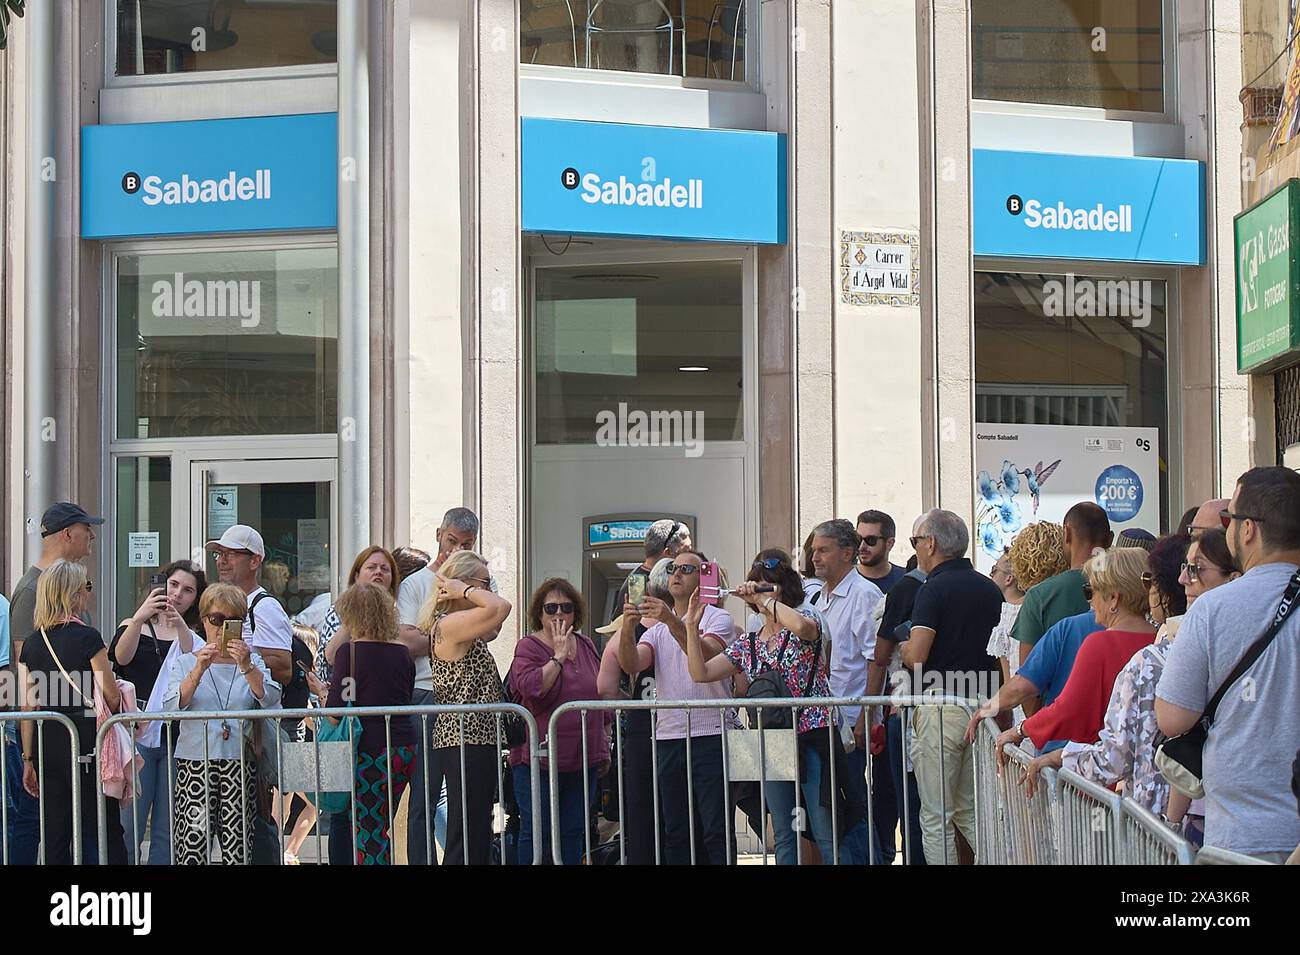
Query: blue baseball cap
x=64 y=514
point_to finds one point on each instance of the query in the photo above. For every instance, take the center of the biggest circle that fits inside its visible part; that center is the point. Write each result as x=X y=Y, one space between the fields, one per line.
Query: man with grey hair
x=955 y=611
x=458 y=531
x=848 y=601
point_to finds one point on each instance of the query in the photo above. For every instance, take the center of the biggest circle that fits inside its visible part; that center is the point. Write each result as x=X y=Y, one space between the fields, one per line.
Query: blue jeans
x=23 y=833
x=418 y=852
x=573 y=815
x=780 y=803
x=912 y=845
x=154 y=793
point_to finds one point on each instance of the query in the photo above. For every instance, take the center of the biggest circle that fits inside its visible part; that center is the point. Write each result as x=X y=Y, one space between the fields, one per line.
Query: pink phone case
x=709 y=584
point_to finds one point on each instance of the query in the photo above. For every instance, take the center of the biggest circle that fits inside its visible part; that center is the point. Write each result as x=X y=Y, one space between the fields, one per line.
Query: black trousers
x=56 y=805
x=711 y=802
x=637 y=825
x=469 y=803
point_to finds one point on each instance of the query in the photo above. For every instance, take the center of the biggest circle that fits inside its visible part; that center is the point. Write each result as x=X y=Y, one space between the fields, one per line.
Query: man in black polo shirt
x=956 y=609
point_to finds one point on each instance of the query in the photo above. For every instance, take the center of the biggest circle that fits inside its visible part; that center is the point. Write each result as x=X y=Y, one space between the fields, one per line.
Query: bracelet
x=556 y=660
x=465 y=595
x=28 y=759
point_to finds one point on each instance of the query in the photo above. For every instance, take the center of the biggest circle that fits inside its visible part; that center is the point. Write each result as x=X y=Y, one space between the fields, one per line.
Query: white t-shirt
x=274 y=632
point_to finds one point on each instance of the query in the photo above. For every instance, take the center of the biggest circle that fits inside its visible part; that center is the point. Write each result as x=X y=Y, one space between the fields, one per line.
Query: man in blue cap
x=65 y=534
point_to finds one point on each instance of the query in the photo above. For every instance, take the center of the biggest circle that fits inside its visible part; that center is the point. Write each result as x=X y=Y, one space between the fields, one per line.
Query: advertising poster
x=1034 y=472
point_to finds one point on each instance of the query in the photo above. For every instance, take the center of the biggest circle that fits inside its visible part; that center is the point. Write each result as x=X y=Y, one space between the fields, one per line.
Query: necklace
x=225 y=725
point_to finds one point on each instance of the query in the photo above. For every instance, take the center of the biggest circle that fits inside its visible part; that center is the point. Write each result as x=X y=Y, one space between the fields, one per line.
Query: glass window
x=699 y=38
x=142 y=528
x=1100 y=53
x=1072 y=350
x=197 y=36
x=227 y=343
x=294 y=521
x=614 y=342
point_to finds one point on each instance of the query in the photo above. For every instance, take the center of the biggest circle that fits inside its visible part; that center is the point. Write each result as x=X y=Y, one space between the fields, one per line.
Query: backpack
x=294 y=694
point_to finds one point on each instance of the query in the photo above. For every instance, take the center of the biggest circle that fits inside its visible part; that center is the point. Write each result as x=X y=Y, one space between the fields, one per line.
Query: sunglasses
x=769 y=563
x=1148 y=578
x=1194 y=571
x=685 y=569
x=919 y=537
x=871 y=540
x=1087 y=591
x=219 y=619
x=1228 y=517
x=552 y=609
x=90 y=586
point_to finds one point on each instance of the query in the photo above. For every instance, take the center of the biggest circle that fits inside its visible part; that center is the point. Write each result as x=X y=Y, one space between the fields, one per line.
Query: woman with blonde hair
x=373 y=669
x=1116 y=590
x=215 y=762
x=63 y=662
x=457 y=616
x=1038 y=552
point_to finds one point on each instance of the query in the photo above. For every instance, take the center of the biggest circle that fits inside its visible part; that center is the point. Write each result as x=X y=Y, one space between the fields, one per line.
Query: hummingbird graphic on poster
x=1037 y=477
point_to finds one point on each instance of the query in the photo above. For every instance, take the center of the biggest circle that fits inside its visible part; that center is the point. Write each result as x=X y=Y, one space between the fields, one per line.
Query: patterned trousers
x=210 y=805
x=374 y=781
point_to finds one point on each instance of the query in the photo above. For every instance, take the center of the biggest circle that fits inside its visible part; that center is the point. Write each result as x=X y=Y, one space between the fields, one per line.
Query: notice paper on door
x=142 y=549
x=223 y=508
x=313 y=554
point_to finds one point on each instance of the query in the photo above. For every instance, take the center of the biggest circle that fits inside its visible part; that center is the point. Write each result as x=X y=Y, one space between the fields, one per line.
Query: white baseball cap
x=239 y=537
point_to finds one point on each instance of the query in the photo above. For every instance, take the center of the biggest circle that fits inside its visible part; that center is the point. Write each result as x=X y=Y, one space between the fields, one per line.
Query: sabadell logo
x=187 y=191
x=626 y=192
x=1098 y=218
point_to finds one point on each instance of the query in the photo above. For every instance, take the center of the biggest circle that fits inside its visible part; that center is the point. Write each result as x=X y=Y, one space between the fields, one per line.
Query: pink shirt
x=673 y=678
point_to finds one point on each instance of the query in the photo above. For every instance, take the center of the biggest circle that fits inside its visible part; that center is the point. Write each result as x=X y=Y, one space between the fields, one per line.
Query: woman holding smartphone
x=143 y=649
x=216 y=769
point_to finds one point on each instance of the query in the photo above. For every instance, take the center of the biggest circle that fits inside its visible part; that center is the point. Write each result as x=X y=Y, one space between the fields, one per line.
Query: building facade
x=330 y=269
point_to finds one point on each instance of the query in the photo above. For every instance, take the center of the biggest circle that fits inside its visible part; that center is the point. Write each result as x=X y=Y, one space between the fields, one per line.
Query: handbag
x=1180 y=758
x=346 y=730
x=771 y=685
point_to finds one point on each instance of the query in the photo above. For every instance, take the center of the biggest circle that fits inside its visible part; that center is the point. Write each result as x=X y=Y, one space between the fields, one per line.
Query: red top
x=577 y=681
x=1079 y=713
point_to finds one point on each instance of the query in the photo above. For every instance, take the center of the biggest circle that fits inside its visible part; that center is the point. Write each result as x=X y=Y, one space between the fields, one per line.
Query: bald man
x=1207 y=517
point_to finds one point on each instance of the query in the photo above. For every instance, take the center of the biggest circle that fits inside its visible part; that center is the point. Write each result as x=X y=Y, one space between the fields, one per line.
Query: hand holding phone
x=636 y=589
x=708 y=590
x=157 y=580
x=230 y=630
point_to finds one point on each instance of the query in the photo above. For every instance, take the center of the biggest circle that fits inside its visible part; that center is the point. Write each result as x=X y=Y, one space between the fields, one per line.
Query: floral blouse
x=1125 y=749
x=799 y=659
x=329 y=626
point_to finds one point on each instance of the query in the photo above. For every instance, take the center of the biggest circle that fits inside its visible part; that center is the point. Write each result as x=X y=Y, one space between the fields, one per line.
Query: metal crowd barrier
x=1089 y=818
x=39 y=717
x=1033 y=823
x=1148 y=841
x=316 y=767
x=991 y=820
x=749 y=755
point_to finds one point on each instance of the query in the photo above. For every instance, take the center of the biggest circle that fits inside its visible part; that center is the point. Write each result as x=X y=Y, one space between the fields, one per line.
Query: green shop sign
x=1267 y=240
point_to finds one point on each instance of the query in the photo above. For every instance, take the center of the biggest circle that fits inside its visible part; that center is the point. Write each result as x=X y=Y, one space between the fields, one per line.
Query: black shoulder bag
x=1179 y=758
x=771 y=685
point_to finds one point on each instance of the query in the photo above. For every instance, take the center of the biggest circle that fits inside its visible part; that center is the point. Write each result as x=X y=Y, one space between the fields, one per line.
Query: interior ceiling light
x=615 y=277
x=693 y=368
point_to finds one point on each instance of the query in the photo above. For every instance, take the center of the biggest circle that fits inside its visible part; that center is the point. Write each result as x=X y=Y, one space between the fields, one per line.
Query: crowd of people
x=1089 y=650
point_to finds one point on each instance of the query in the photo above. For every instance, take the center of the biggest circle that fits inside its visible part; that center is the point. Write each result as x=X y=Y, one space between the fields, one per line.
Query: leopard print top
x=473 y=678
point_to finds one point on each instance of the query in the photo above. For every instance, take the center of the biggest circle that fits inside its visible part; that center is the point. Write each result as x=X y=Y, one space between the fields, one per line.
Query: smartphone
x=709 y=584
x=230 y=630
x=636 y=588
x=156 y=581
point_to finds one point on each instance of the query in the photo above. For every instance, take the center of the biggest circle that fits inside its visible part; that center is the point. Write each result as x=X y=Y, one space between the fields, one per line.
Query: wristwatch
x=1020 y=728
x=557 y=661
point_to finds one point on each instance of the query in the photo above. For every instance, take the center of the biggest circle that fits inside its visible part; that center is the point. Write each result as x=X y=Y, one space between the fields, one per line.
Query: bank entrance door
x=292 y=504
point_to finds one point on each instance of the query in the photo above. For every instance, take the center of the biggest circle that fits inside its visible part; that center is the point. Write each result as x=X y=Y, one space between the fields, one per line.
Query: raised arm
x=633 y=657
x=703 y=669
x=488 y=612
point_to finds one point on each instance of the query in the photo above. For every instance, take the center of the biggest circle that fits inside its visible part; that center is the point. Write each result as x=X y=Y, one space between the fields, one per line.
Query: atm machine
x=612 y=546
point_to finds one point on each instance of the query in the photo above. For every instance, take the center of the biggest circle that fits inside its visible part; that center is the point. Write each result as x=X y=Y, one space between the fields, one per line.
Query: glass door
x=292 y=504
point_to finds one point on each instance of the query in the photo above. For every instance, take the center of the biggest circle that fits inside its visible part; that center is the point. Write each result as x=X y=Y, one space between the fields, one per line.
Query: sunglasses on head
x=219 y=619
x=685 y=569
x=769 y=563
x=552 y=609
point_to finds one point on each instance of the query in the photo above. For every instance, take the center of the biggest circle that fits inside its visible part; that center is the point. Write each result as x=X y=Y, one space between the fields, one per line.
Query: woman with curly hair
x=1038 y=552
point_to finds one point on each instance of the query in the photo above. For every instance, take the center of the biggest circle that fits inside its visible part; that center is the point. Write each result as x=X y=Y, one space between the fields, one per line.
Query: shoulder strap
x=1257 y=648
x=817 y=593
x=252 y=620
x=58 y=663
x=753 y=652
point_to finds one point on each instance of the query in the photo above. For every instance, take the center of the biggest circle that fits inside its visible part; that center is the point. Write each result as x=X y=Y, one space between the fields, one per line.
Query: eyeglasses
x=552 y=609
x=219 y=619
x=769 y=563
x=685 y=569
x=1228 y=517
x=1194 y=571
x=228 y=553
x=919 y=537
x=1087 y=591
x=871 y=540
